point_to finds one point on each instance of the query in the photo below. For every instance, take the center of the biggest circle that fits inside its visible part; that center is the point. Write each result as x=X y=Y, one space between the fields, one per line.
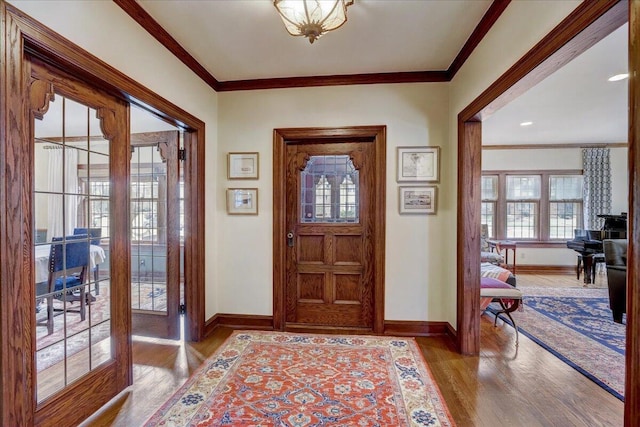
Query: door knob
x=290 y=239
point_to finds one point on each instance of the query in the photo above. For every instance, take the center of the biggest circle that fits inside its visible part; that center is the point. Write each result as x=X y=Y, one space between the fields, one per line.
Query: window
x=565 y=205
x=532 y=205
x=523 y=198
x=489 y=201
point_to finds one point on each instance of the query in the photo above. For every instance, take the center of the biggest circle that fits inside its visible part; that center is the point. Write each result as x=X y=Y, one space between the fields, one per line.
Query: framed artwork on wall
x=418 y=200
x=242 y=201
x=418 y=164
x=242 y=166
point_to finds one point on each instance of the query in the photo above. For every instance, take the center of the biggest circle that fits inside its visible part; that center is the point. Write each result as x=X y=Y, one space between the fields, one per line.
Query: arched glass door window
x=329 y=190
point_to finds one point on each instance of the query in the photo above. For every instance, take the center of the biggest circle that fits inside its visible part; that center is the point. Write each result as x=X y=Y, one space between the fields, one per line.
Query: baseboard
x=238 y=321
x=546 y=269
x=410 y=328
x=406 y=328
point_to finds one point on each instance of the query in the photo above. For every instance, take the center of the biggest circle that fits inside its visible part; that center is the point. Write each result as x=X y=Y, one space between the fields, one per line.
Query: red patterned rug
x=283 y=379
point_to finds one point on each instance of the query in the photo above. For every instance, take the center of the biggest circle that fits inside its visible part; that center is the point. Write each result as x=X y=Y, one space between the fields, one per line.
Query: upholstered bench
x=509 y=298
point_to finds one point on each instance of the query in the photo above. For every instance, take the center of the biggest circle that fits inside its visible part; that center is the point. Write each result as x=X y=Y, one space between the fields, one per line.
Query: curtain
x=63 y=178
x=597 y=186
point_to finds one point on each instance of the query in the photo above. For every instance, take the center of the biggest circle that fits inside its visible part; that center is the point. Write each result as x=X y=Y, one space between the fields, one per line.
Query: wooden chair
x=68 y=267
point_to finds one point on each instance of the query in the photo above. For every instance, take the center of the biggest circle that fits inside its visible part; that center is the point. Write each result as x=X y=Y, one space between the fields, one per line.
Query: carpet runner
x=284 y=379
x=575 y=324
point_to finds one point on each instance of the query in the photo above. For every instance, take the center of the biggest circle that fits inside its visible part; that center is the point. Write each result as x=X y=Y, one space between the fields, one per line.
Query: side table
x=507 y=245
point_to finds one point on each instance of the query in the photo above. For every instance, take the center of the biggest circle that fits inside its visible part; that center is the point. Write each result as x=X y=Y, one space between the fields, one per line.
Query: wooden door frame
x=19 y=35
x=585 y=26
x=281 y=137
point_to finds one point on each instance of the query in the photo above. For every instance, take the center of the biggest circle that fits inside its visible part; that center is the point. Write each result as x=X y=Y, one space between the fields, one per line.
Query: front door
x=332 y=278
x=79 y=280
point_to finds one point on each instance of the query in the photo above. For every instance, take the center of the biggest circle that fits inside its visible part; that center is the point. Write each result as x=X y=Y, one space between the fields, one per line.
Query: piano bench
x=597 y=258
x=509 y=297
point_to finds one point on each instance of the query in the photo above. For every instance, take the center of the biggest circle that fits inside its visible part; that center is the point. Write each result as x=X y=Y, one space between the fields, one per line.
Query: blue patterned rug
x=577 y=328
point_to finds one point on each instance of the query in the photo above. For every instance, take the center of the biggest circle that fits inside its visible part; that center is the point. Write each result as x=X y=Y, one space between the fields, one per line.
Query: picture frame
x=418 y=199
x=243 y=165
x=242 y=201
x=418 y=164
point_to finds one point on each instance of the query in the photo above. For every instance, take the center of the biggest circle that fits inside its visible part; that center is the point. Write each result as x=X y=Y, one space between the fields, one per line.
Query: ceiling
x=237 y=40
x=575 y=105
x=246 y=39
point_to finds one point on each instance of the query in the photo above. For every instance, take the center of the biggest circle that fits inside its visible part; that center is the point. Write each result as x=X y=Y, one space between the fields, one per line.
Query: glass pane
x=522 y=218
x=487 y=217
x=565 y=187
x=564 y=218
x=329 y=190
x=523 y=187
x=490 y=187
x=148 y=229
x=71 y=224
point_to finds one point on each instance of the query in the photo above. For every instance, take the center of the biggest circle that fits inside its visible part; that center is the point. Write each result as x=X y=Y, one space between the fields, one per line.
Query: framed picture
x=418 y=200
x=242 y=166
x=242 y=201
x=418 y=164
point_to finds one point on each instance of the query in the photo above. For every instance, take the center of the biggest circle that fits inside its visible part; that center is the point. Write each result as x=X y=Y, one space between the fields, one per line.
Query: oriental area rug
x=575 y=324
x=283 y=379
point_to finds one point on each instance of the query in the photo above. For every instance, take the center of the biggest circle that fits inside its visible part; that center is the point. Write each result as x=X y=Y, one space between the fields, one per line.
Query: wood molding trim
x=239 y=321
x=546 y=269
x=337 y=80
x=135 y=11
x=566 y=41
x=490 y=17
x=408 y=328
x=20 y=36
x=632 y=353
x=585 y=26
x=146 y=21
x=581 y=29
x=555 y=146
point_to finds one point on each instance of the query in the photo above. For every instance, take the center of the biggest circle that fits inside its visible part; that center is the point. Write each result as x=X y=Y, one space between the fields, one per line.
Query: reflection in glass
x=71 y=245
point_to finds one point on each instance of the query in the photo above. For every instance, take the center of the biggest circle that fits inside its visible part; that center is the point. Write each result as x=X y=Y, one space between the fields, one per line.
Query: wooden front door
x=332 y=234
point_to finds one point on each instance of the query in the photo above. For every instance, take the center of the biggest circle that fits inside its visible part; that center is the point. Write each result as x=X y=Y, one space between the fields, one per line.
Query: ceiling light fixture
x=618 y=77
x=312 y=18
x=526 y=123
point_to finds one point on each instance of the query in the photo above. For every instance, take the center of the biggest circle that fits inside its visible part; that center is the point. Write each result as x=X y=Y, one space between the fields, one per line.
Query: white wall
x=106 y=31
x=415 y=115
x=558 y=159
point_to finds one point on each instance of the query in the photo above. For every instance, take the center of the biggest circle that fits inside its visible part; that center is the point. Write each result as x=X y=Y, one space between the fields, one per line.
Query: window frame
x=544 y=204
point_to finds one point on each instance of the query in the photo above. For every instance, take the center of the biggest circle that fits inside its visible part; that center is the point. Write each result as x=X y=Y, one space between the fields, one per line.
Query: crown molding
x=146 y=21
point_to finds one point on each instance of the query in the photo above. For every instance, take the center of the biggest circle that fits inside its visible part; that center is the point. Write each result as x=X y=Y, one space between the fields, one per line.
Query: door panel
x=155 y=233
x=80 y=252
x=329 y=275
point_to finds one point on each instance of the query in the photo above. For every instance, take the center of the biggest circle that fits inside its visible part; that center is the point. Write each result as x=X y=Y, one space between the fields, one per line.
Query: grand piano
x=589 y=242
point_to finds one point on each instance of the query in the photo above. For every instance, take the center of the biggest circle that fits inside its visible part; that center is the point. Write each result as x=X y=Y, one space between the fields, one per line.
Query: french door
x=80 y=324
x=157 y=218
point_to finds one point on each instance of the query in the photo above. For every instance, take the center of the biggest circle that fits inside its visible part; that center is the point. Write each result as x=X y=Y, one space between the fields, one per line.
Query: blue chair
x=95 y=234
x=68 y=265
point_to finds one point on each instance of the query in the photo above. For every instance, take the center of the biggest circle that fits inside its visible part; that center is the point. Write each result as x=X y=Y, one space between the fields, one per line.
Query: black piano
x=589 y=242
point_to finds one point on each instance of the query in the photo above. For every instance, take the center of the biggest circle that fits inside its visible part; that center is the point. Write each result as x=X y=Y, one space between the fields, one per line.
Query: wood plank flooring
x=505 y=386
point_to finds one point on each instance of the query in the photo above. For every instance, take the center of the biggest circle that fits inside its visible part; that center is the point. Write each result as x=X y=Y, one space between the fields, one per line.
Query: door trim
x=19 y=35
x=586 y=25
x=282 y=137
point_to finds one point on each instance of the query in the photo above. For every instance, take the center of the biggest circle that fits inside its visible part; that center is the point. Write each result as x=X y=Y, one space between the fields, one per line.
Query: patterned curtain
x=597 y=186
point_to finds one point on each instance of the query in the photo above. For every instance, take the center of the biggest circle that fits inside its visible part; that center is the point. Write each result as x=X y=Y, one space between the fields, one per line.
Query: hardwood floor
x=505 y=386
